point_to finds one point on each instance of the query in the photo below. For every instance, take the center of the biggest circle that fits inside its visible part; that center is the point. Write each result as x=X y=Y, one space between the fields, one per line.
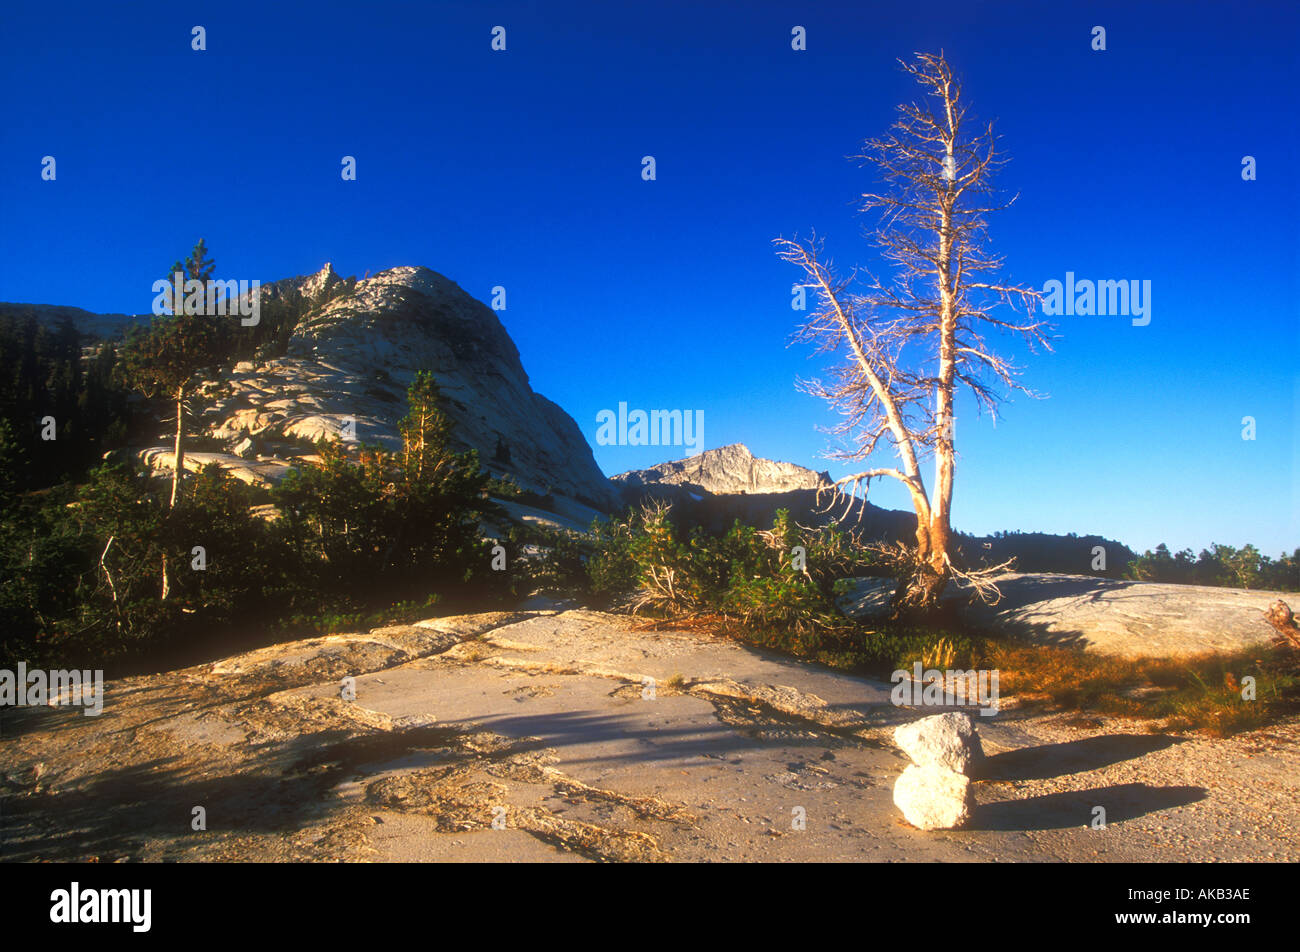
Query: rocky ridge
x=727 y=469
x=347 y=367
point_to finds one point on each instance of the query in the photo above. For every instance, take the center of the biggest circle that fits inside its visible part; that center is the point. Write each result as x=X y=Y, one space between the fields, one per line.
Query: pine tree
x=197 y=267
x=425 y=431
x=169 y=358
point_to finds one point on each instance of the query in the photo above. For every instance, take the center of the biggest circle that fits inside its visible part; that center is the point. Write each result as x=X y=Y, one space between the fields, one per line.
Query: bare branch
x=911 y=342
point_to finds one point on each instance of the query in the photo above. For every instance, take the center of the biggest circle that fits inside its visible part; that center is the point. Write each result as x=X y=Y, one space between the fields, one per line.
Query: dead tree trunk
x=178 y=453
x=178 y=468
x=912 y=342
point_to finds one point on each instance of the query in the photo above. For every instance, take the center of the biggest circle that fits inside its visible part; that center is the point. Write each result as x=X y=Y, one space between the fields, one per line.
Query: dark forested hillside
x=58 y=411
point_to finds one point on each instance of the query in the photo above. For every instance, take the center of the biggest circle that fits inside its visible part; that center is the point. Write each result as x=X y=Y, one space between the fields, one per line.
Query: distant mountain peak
x=321 y=281
x=734 y=448
x=726 y=470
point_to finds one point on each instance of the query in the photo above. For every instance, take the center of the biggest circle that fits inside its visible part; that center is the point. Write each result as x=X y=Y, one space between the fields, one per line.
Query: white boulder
x=932 y=798
x=947 y=740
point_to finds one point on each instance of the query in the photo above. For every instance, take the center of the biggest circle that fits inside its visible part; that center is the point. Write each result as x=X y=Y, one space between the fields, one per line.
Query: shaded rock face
x=353 y=359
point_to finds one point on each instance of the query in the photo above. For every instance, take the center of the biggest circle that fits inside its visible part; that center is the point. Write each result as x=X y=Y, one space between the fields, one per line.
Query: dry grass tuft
x=1207 y=692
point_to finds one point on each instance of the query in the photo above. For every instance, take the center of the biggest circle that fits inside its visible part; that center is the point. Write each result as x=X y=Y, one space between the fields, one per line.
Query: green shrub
x=371 y=536
x=611 y=569
x=759 y=579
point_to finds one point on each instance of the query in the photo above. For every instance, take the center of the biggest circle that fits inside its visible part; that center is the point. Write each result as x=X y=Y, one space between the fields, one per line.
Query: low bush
x=781 y=578
x=362 y=537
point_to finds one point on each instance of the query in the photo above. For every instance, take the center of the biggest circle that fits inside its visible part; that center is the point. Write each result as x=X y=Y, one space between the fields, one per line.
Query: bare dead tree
x=910 y=343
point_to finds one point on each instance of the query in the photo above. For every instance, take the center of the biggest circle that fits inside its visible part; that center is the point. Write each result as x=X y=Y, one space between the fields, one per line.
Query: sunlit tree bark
x=910 y=342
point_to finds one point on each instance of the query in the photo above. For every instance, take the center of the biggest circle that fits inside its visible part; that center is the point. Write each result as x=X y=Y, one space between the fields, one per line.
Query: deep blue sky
x=523 y=169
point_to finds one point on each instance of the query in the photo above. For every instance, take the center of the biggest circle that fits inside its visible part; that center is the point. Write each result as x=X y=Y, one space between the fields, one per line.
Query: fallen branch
x=981 y=580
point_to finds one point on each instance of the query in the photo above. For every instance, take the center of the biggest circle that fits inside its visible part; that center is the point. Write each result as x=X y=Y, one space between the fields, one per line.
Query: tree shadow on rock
x=114 y=814
x=1069 y=757
x=1077 y=808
